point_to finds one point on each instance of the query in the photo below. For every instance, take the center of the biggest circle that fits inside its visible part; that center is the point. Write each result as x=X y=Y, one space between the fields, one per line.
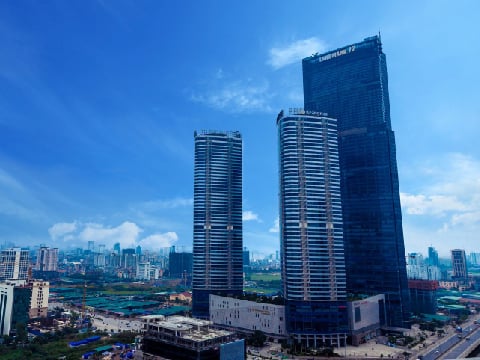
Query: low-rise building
x=182 y=338
x=248 y=315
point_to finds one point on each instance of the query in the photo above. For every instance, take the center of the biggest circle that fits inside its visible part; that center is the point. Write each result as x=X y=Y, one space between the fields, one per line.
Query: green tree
x=258 y=338
x=22 y=334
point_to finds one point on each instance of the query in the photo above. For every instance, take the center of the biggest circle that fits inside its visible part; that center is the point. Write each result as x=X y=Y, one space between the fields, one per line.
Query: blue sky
x=99 y=101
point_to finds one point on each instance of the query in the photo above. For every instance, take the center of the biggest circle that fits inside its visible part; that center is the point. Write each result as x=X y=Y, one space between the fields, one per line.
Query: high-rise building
x=311 y=228
x=217 y=218
x=14 y=264
x=39 y=300
x=15 y=298
x=432 y=256
x=116 y=248
x=180 y=264
x=351 y=85
x=47 y=259
x=459 y=265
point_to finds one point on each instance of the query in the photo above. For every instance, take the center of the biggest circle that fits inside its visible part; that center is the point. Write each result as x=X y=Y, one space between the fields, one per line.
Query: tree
x=22 y=334
x=257 y=339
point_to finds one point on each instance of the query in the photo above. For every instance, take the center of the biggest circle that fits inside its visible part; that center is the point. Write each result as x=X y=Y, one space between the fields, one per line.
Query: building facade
x=248 y=315
x=39 y=300
x=14 y=264
x=217 y=218
x=311 y=228
x=423 y=294
x=180 y=264
x=15 y=300
x=351 y=85
x=47 y=259
x=459 y=265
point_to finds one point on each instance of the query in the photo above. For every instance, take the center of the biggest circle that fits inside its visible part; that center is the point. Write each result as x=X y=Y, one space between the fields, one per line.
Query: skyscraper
x=459 y=265
x=47 y=259
x=351 y=85
x=432 y=256
x=311 y=227
x=217 y=218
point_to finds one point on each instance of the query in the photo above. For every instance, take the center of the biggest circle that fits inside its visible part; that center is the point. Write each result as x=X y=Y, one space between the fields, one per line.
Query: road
x=453 y=346
x=471 y=336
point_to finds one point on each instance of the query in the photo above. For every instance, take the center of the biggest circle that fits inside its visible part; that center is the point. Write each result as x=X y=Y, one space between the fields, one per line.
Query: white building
x=248 y=315
x=423 y=272
x=6 y=306
x=143 y=271
x=364 y=318
x=39 y=300
x=14 y=264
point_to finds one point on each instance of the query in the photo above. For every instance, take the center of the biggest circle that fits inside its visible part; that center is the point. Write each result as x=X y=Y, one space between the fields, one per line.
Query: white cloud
x=249 y=216
x=237 y=96
x=157 y=241
x=445 y=213
x=430 y=204
x=295 y=52
x=126 y=233
x=276 y=226
x=61 y=229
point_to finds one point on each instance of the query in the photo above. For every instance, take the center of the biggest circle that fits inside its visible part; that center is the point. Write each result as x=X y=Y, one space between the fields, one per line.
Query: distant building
x=415 y=259
x=182 y=338
x=217 y=218
x=39 y=300
x=459 y=265
x=91 y=246
x=432 y=256
x=143 y=271
x=47 y=259
x=246 y=257
x=116 y=248
x=128 y=259
x=183 y=297
x=14 y=264
x=474 y=258
x=180 y=264
x=423 y=296
x=99 y=260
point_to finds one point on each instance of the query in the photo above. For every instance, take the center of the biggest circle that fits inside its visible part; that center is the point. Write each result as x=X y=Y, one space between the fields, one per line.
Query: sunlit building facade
x=14 y=264
x=311 y=229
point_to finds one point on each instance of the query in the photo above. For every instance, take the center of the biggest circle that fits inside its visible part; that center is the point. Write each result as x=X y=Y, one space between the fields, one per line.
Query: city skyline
x=96 y=121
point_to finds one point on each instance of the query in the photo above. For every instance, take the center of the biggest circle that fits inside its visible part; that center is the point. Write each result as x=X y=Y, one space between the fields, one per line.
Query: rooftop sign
x=337 y=53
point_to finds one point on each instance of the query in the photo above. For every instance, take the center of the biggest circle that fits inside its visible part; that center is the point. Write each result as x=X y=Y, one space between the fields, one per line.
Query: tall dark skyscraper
x=311 y=241
x=351 y=85
x=217 y=218
x=459 y=265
